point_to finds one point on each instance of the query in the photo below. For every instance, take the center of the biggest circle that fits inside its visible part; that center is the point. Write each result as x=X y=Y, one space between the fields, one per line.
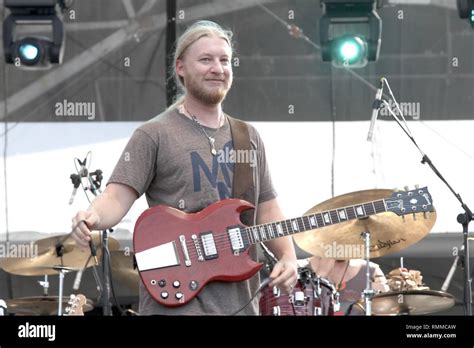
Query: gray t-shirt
x=168 y=158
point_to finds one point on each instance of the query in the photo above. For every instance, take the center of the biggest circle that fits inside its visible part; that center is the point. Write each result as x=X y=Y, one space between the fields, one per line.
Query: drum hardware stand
x=45 y=285
x=368 y=293
x=60 y=253
x=464 y=218
x=62 y=271
x=60 y=300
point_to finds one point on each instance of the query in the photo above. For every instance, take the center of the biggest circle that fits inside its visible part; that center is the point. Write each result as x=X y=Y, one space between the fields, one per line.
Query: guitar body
x=170 y=250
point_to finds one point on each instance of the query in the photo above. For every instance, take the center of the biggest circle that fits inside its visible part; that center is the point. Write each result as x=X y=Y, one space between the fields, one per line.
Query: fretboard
x=264 y=232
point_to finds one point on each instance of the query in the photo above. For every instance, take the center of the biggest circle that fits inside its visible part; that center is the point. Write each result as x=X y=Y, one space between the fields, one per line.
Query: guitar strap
x=243 y=185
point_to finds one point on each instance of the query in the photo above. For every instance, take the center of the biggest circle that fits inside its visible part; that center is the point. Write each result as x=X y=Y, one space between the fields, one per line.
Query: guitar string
x=286 y=229
x=222 y=241
x=284 y=224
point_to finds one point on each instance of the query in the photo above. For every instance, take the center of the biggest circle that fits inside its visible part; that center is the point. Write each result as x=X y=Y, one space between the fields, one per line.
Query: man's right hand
x=82 y=233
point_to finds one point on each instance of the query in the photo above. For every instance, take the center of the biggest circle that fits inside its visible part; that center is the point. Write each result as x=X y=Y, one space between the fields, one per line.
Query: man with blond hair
x=172 y=159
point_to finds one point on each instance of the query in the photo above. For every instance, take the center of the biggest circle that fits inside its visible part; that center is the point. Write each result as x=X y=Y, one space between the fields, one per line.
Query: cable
x=5 y=152
x=447 y=140
x=333 y=121
x=109 y=270
x=260 y=288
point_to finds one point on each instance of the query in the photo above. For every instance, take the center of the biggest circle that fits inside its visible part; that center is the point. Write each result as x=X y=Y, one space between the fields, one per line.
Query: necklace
x=212 y=140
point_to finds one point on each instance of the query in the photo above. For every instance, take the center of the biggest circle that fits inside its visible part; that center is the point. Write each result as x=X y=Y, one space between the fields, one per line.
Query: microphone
x=264 y=284
x=96 y=182
x=93 y=251
x=76 y=180
x=451 y=272
x=375 y=110
x=83 y=164
x=77 y=280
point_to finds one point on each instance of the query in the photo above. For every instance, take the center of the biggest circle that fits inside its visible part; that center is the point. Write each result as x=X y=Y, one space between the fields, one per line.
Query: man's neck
x=207 y=115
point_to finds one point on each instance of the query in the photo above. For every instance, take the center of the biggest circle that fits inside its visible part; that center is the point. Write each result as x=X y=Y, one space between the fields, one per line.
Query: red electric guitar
x=177 y=253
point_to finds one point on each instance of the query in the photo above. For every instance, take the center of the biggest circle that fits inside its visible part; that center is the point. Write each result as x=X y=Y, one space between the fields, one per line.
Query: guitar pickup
x=236 y=239
x=208 y=245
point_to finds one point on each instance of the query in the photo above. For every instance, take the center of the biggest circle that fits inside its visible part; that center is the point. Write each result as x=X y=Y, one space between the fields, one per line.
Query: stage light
x=350 y=32
x=350 y=50
x=33 y=51
x=466 y=10
x=29 y=51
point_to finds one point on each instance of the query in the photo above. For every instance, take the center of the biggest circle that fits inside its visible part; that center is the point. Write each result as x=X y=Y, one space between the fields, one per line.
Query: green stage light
x=350 y=32
x=350 y=51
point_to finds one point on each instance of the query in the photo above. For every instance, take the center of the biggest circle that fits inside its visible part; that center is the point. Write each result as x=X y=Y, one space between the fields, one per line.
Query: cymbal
x=410 y=302
x=389 y=232
x=40 y=305
x=122 y=270
x=47 y=261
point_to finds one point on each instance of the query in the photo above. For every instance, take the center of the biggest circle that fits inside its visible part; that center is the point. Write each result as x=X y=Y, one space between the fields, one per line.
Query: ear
x=179 y=67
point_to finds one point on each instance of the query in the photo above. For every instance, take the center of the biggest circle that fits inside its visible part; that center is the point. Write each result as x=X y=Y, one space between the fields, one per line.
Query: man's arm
x=105 y=211
x=284 y=274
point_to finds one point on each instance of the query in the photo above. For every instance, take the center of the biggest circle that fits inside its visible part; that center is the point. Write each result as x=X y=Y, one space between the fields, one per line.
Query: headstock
x=75 y=305
x=410 y=201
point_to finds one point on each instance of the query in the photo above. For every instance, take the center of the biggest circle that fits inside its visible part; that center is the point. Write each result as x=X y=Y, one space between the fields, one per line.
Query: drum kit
x=312 y=296
x=370 y=237
x=50 y=261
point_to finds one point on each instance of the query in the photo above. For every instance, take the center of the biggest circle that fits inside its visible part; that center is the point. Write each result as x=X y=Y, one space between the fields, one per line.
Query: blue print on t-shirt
x=224 y=187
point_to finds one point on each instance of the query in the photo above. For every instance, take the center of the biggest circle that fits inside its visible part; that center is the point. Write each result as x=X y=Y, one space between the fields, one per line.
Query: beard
x=208 y=96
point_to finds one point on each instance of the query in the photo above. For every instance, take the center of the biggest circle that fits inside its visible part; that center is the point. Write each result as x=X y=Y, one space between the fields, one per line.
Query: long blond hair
x=191 y=35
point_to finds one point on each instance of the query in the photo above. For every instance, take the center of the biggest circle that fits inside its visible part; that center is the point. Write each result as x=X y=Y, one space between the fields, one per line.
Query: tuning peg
x=414 y=216
x=407 y=188
x=417 y=186
x=424 y=215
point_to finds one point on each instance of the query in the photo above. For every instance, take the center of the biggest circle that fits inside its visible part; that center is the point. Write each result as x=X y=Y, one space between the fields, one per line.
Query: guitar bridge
x=198 y=247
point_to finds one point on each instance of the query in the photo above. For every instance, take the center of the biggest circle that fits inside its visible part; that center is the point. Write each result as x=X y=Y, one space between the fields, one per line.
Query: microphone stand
x=105 y=293
x=95 y=180
x=463 y=218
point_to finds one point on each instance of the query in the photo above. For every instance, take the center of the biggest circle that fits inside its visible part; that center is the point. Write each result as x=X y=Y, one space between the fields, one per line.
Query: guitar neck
x=265 y=232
